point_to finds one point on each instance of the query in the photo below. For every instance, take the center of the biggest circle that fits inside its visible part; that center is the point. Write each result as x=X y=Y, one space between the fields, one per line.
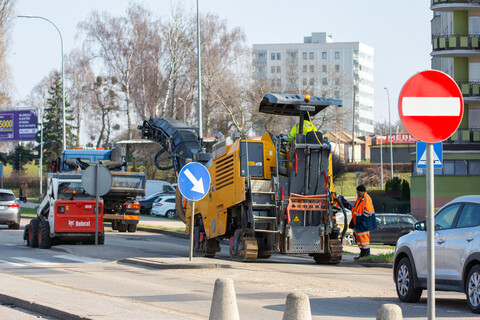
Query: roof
x=342 y=137
x=295 y=104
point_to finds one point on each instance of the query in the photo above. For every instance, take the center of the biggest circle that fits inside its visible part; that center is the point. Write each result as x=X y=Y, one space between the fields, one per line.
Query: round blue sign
x=194 y=181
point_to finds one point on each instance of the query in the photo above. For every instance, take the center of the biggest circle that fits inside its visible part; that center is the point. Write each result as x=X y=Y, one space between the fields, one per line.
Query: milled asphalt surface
x=37 y=297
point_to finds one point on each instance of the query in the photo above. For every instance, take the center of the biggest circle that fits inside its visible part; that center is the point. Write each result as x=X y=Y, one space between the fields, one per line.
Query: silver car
x=457 y=254
x=9 y=209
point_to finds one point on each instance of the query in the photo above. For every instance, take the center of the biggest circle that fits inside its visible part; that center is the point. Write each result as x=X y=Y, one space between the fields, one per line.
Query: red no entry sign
x=431 y=106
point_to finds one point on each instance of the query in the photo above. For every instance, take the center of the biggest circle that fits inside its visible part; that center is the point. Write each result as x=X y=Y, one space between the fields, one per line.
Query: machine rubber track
x=333 y=254
x=247 y=252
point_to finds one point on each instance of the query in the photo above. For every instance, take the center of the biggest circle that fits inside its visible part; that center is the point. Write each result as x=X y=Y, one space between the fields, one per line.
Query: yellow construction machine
x=267 y=195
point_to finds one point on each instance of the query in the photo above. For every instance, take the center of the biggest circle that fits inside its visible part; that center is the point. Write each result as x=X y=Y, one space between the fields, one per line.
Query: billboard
x=18 y=125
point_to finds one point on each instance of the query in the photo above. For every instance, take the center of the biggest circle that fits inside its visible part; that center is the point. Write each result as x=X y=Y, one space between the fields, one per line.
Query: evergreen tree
x=53 y=123
x=20 y=157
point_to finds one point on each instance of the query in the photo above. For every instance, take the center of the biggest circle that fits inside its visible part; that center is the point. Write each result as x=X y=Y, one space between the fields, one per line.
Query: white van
x=155 y=186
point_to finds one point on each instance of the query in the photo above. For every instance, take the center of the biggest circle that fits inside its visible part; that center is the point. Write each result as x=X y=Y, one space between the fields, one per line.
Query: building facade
x=455 y=51
x=319 y=66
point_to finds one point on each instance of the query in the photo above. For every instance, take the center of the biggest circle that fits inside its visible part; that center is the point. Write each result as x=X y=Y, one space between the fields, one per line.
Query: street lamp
x=63 y=73
x=390 y=130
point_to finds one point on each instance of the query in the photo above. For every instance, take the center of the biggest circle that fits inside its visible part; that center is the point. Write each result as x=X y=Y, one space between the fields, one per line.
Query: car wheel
x=473 y=289
x=14 y=226
x=170 y=214
x=405 y=282
x=348 y=240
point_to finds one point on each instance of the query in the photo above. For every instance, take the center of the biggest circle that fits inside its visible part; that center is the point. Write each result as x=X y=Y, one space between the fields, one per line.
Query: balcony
x=453 y=5
x=470 y=90
x=471 y=135
x=456 y=45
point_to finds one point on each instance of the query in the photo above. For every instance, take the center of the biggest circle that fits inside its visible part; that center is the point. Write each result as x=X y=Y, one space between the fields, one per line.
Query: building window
x=337 y=55
x=337 y=67
x=305 y=67
x=324 y=68
x=279 y=69
x=273 y=69
x=337 y=81
x=324 y=81
x=272 y=82
x=304 y=81
x=312 y=68
x=474 y=167
x=278 y=56
x=337 y=94
x=311 y=56
x=304 y=56
x=279 y=82
x=460 y=167
x=324 y=55
x=312 y=81
x=273 y=56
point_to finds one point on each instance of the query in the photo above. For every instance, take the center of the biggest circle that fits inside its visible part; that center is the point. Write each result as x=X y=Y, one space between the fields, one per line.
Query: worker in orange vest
x=363 y=216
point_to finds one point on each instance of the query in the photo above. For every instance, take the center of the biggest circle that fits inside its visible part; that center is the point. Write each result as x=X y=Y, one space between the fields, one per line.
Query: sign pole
x=430 y=233
x=97 y=196
x=191 y=230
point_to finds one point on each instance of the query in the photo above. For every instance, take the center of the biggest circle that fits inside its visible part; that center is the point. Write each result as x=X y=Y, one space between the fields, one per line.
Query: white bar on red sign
x=431 y=106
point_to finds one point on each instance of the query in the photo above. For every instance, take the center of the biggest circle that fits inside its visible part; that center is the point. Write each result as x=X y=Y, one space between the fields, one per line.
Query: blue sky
x=399 y=31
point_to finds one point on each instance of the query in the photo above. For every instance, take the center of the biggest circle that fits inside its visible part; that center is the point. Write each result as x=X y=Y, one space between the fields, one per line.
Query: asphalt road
x=95 y=282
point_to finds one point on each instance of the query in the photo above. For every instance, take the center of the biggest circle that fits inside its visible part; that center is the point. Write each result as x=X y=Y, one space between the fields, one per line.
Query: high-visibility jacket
x=307 y=127
x=363 y=214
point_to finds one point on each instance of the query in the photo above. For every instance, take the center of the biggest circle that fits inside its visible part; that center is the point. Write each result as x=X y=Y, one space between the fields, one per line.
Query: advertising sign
x=18 y=125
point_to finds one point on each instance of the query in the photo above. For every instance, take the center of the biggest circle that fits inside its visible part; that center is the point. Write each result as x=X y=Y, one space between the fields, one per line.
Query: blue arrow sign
x=1 y=169
x=194 y=181
x=422 y=156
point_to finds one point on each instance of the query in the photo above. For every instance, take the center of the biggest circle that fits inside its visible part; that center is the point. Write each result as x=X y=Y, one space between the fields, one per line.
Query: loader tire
x=333 y=255
x=44 y=240
x=32 y=240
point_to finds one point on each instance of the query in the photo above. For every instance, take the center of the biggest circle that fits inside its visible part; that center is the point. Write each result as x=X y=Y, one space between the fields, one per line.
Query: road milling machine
x=267 y=195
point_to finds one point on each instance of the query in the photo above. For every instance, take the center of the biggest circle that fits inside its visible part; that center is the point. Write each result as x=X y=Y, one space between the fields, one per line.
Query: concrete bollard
x=224 y=301
x=389 y=311
x=297 y=307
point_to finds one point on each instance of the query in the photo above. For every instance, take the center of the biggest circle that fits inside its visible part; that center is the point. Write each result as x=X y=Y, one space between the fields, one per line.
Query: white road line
x=79 y=259
x=10 y=244
x=34 y=261
x=431 y=106
x=13 y=263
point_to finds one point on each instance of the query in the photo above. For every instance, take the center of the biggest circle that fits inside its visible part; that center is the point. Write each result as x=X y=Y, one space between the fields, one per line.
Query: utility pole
x=353 y=123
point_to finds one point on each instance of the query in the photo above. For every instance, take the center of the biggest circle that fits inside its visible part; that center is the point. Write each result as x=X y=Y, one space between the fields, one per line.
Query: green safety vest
x=307 y=127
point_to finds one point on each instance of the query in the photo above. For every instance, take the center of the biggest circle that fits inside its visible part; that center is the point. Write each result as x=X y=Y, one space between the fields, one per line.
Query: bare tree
x=117 y=41
x=6 y=12
x=80 y=77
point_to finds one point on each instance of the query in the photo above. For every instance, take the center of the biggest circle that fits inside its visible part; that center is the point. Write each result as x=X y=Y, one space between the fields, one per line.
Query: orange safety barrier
x=298 y=202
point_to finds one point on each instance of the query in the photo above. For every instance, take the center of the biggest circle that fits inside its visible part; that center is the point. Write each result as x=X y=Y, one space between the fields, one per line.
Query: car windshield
x=6 y=196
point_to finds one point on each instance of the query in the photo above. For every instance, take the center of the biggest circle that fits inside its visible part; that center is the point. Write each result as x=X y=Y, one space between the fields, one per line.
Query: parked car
x=457 y=254
x=391 y=226
x=164 y=206
x=9 y=209
x=146 y=202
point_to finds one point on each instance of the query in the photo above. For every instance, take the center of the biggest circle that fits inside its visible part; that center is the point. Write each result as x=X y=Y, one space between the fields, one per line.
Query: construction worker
x=307 y=127
x=363 y=216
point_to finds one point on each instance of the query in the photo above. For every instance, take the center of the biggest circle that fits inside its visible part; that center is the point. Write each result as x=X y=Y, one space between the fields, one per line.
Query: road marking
x=431 y=106
x=10 y=244
x=80 y=259
x=34 y=261
x=13 y=263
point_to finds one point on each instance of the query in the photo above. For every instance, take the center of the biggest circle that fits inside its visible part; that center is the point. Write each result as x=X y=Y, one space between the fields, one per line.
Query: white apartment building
x=321 y=67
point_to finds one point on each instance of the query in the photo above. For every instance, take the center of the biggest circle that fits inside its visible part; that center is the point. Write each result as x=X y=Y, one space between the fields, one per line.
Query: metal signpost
x=97 y=181
x=1 y=172
x=431 y=109
x=194 y=183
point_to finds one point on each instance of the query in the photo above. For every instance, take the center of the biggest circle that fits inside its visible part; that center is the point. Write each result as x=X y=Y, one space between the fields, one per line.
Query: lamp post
x=199 y=71
x=63 y=73
x=390 y=130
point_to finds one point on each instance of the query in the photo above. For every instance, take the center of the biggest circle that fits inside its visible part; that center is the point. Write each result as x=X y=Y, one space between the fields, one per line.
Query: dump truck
x=66 y=213
x=267 y=195
x=120 y=203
